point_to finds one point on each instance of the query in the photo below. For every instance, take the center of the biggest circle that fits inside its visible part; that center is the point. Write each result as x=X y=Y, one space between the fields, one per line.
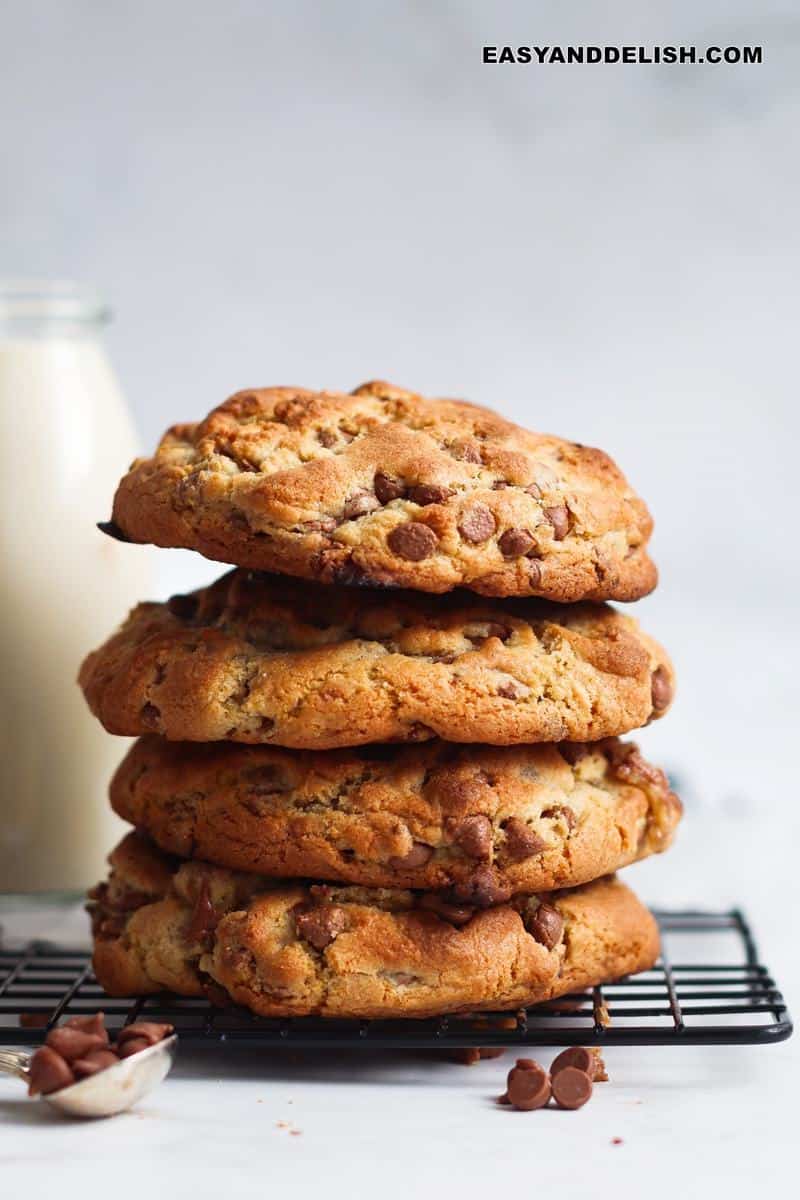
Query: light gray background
x=321 y=193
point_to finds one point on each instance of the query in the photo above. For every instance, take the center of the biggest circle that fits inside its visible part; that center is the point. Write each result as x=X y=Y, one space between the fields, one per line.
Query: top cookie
x=386 y=488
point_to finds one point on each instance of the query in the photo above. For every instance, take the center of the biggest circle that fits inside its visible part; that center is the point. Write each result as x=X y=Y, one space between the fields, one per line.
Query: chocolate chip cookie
x=386 y=488
x=284 y=949
x=483 y=822
x=257 y=658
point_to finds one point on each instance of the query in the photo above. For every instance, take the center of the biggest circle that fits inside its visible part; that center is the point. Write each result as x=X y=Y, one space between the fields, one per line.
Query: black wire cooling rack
x=714 y=992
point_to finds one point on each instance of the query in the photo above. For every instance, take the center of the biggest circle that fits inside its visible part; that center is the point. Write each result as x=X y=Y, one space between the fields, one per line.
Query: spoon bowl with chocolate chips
x=81 y=1074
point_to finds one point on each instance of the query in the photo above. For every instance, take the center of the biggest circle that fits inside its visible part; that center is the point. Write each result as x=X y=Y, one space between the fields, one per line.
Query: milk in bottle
x=65 y=439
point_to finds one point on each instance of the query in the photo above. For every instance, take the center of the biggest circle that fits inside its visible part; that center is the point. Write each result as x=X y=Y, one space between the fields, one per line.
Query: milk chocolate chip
x=133 y=1046
x=456 y=914
x=96 y=1060
x=73 y=1043
x=590 y=1061
x=203 y=920
x=48 y=1072
x=413 y=541
x=418 y=856
x=515 y=543
x=475 y=836
x=483 y=889
x=321 y=926
x=521 y=841
x=429 y=493
x=477 y=524
x=359 y=505
x=571 y=1088
x=89 y=1024
x=558 y=516
x=546 y=926
x=661 y=689
x=153 y=1031
x=567 y=815
x=528 y=1085
x=183 y=607
x=387 y=488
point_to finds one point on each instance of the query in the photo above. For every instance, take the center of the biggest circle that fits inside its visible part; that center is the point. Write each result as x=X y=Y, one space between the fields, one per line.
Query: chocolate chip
x=546 y=925
x=73 y=1043
x=133 y=1046
x=429 y=493
x=534 y=573
x=660 y=689
x=554 y=811
x=387 y=488
x=112 y=530
x=521 y=841
x=573 y=752
x=558 y=516
x=150 y=716
x=359 y=504
x=204 y=919
x=477 y=524
x=456 y=914
x=589 y=1061
x=413 y=541
x=571 y=1088
x=183 y=607
x=216 y=995
x=89 y=1024
x=34 y=1020
x=321 y=925
x=515 y=543
x=469 y=1055
x=153 y=1031
x=418 y=856
x=528 y=1087
x=327 y=438
x=475 y=836
x=96 y=1060
x=48 y=1072
x=482 y=888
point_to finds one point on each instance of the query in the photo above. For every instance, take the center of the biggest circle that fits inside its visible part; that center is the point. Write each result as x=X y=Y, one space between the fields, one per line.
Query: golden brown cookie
x=257 y=658
x=282 y=949
x=386 y=488
x=484 y=821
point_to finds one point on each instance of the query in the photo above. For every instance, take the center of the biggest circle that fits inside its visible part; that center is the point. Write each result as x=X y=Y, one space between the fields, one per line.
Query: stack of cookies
x=378 y=770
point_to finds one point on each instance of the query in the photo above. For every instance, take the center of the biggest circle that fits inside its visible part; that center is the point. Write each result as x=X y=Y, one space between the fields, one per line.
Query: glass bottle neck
x=49 y=310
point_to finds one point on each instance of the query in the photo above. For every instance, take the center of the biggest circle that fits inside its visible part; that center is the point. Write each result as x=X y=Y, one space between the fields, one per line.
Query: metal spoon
x=108 y=1092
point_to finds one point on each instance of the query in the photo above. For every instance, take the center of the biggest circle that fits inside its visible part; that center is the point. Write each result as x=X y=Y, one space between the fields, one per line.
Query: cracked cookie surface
x=283 y=949
x=262 y=659
x=480 y=820
x=387 y=488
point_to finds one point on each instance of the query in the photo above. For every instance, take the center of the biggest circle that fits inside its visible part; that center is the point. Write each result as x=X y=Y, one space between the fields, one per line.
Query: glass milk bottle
x=66 y=437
